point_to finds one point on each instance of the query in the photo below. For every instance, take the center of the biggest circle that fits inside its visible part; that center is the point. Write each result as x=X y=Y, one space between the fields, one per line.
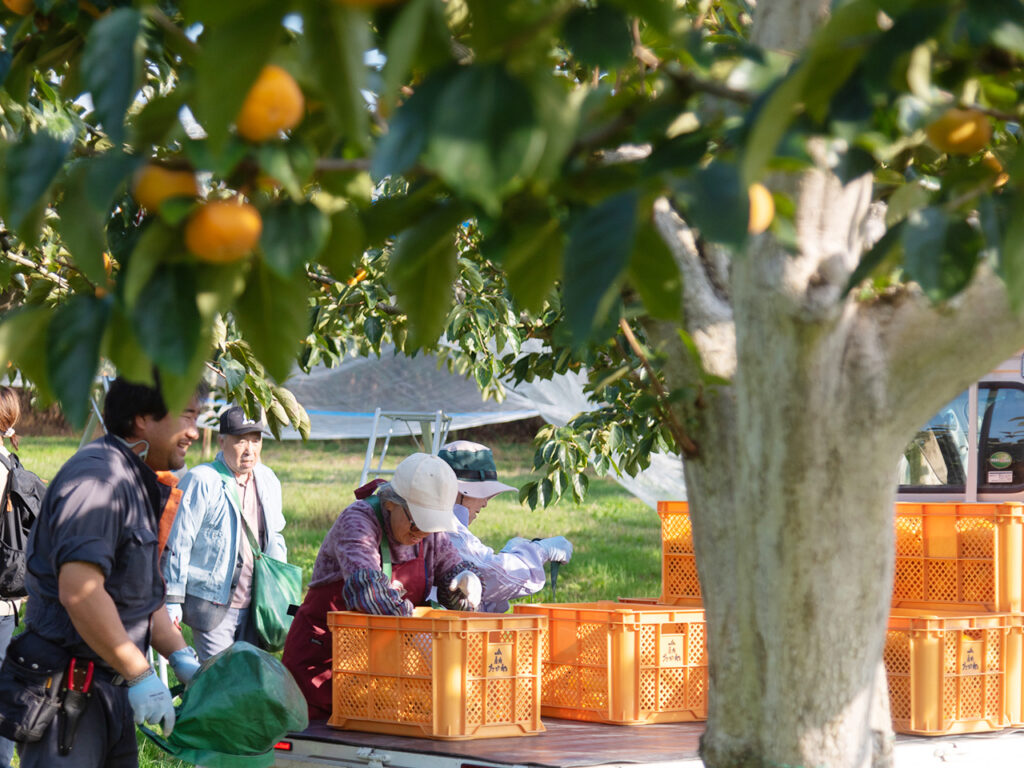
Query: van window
x=936 y=459
x=1001 y=438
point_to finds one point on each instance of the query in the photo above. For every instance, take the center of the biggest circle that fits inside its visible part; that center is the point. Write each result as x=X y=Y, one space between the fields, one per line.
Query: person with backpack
x=19 y=504
x=209 y=563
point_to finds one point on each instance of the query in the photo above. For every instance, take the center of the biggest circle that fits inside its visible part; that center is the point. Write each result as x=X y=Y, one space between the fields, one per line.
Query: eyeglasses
x=412 y=523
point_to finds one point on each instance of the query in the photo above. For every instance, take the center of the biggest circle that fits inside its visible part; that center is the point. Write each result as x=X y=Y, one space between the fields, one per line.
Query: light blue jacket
x=203 y=545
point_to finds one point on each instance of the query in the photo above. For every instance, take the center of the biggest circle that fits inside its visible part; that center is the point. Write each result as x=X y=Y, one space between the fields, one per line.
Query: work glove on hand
x=151 y=701
x=185 y=663
x=174 y=611
x=557 y=549
x=468 y=583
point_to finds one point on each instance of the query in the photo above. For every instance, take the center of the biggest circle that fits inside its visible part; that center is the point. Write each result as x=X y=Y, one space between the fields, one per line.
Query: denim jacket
x=203 y=545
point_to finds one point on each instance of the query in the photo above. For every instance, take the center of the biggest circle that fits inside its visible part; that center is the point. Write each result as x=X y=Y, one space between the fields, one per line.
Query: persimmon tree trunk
x=792 y=490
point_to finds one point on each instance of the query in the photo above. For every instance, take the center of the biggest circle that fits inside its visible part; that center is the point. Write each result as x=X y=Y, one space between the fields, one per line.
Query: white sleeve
x=516 y=571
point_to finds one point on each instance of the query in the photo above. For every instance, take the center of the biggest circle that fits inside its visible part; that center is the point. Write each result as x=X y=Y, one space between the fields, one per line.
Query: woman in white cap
x=518 y=569
x=386 y=553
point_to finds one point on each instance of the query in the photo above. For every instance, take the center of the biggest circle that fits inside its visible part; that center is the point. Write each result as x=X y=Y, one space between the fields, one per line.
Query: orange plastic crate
x=679 y=582
x=621 y=663
x=952 y=674
x=949 y=556
x=952 y=556
x=438 y=674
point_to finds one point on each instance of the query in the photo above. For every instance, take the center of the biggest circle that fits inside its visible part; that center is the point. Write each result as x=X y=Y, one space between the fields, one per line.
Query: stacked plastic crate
x=437 y=674
x=954 y=647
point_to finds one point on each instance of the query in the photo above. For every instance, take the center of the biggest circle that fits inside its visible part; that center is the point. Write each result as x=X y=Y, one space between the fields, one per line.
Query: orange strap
x=170 y=509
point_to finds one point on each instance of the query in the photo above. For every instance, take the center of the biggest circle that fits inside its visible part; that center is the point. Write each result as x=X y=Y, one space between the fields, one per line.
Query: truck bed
x=569 y=744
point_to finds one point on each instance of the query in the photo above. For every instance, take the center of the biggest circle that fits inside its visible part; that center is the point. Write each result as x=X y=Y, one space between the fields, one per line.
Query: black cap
x=234 y=422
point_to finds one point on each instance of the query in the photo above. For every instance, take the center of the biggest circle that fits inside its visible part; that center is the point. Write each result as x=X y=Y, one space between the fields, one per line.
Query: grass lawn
x=616 y=537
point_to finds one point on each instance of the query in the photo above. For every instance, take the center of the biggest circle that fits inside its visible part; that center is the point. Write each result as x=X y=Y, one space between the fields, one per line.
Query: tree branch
x=53 y=276
x=956 y=342
x=686 y=445
x=709 y=315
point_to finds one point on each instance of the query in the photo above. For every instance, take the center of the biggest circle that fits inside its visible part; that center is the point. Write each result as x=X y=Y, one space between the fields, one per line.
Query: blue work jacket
x=203 y=546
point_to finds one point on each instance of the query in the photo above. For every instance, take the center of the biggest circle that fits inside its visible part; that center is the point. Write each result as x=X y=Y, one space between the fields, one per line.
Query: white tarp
x=341 y=402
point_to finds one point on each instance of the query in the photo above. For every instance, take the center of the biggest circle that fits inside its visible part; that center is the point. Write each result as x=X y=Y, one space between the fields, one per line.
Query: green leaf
x=32 y=164
x=338 y=37
x=484 y=140
x=73 y=352
x=904 y=201
x=82 y=226
x=219 y=285
x=400 y=148
x=166 y=317
x=530 y=253
x=874 y=258
x=601 y=240
x=156 y=244
x=939 y=254
x=345 y=245
x=272 y=315
x=292 y=409
x=234 y=373
x=237 y=41
x=84 y=209
x=717 y=204
x=423 y=269
x=122 y=348
x=599 y=36
x=112 y=67
x=293 y=233
x=160 y=115
x=24 y=341
x=403 y=42
x=654 y=273
x=5 y=65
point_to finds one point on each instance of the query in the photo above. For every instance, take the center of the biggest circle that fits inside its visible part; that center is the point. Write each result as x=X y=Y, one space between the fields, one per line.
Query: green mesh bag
x=240 y=703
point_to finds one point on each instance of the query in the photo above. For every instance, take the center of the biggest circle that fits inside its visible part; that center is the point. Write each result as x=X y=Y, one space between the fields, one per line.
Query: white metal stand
x=433 y=433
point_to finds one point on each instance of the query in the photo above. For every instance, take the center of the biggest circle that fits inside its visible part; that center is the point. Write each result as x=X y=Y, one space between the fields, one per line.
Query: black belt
x=108 y=675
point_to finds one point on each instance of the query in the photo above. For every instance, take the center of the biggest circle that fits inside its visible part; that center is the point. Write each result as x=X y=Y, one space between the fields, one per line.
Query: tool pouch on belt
x=31 y=679
x=74 y=700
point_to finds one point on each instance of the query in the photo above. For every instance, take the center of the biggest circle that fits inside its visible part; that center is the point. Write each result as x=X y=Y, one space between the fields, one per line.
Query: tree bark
x=792 y=493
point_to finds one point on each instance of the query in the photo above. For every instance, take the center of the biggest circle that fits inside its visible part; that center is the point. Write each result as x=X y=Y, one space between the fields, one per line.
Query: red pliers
x=86 y=677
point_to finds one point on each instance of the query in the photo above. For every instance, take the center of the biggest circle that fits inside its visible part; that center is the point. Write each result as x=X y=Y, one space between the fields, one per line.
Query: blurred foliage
x=459 y=182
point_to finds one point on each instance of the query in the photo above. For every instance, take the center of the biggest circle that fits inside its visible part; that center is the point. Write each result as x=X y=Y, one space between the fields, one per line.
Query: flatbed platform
x=570 y=744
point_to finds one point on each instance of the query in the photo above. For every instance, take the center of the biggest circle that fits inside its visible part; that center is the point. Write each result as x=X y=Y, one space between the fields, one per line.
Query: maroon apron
x=308 y=650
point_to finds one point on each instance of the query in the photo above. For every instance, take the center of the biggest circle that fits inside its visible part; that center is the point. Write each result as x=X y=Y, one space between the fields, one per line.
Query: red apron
x=307 y=649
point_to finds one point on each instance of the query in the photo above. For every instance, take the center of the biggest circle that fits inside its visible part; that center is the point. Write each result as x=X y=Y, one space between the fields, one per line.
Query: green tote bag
x=276 y=585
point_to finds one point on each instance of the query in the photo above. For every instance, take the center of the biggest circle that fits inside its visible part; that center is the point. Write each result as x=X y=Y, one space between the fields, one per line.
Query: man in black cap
x=225 y=505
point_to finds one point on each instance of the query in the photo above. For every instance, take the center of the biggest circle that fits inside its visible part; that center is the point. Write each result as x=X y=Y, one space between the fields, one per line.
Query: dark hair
x=10 y=412
x=126 y=400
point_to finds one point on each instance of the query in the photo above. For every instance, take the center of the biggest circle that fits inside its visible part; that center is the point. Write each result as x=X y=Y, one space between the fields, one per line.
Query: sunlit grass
x=616 y=537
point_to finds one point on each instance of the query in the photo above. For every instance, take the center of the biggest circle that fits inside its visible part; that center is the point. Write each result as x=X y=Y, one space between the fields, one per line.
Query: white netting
x=341 y=401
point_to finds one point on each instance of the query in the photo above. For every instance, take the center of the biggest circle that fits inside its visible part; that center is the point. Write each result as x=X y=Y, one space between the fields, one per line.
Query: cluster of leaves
x=488 y=177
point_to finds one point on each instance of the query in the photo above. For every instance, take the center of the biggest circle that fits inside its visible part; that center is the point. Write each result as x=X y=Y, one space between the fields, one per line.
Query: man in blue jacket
x=225 y=505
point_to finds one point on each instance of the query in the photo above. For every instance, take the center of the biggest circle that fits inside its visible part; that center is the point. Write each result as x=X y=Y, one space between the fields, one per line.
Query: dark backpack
x=19 y=506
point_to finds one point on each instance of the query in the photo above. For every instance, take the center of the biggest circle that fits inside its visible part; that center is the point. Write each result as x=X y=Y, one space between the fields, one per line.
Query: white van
x=972 y=450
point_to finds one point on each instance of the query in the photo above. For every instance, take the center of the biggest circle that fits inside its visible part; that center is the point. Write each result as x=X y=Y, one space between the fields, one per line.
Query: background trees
x=578 y=173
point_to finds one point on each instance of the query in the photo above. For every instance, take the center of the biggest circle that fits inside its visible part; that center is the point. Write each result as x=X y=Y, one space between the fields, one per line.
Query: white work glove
x=151 y=702
x=468 y=583
x=557 y=549
x=185 y=663
x=174 y=611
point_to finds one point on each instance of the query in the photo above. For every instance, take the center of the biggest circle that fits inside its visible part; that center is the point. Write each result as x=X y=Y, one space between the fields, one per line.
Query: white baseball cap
x=429 y=486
